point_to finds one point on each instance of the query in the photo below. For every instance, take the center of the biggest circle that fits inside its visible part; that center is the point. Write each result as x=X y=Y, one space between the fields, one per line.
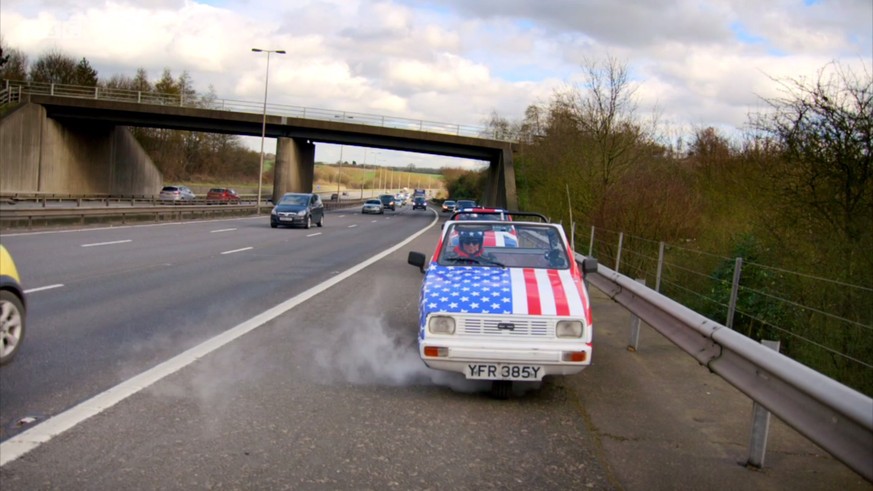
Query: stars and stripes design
x=525 y=291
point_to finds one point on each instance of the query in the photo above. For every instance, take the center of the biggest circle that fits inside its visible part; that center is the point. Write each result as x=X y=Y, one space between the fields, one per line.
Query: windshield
x=295 y=199
x=520 y=245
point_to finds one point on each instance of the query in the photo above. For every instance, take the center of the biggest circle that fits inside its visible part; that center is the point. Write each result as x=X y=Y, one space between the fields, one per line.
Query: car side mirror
x=589 y=265
x=417 y=259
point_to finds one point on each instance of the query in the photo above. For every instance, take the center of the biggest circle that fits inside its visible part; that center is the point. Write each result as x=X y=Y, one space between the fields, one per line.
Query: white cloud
x=456 y=61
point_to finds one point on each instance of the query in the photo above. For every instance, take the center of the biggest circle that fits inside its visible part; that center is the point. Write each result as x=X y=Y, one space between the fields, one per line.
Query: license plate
x=499 y=371
x=286 y=219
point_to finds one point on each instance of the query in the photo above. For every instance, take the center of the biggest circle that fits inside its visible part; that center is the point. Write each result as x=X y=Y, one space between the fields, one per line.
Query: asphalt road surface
x=292 y=371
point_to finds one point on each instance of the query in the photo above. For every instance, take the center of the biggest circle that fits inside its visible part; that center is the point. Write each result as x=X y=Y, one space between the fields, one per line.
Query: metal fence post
x=618 y=254
x=760 y=424
x=735 y=289
x=591 y=243
x=660 y=267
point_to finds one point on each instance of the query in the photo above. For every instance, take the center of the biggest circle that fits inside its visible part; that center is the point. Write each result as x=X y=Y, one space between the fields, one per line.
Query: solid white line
x=42 y=288
x=26 y=441
x=222 y=230
x=106 y=243
x=353 y=225
x=313 y=235
x=238 y=250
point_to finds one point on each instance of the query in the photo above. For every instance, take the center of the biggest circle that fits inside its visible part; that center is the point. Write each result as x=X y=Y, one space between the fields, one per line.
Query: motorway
x=243 y=357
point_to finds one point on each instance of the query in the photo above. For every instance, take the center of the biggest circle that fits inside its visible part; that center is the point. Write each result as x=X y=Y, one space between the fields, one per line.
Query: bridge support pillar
x=294 y=170
x=500 y=191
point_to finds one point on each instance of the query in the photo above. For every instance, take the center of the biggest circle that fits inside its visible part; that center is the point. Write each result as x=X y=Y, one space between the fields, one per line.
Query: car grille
x=507 y=326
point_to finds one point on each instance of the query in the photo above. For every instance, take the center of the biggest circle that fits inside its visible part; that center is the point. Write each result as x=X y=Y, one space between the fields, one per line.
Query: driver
x=469 y=243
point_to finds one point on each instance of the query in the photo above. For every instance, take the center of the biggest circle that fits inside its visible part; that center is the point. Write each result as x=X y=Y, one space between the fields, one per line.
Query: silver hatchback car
x=177 y=193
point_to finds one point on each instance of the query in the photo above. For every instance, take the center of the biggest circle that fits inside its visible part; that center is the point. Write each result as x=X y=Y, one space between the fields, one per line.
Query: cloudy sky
x=695 y=63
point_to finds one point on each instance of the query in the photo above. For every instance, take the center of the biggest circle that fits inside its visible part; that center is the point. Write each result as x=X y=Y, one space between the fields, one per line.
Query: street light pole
x=264 y=121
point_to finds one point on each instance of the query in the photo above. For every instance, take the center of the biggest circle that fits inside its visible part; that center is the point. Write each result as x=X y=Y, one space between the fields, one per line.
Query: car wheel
x=273 y=224
x=11 y=325
x=321 y=221
x=307 y=224
x=501 y=389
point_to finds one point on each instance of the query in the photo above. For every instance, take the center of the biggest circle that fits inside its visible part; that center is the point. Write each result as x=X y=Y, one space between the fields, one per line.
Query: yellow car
x=12 y=308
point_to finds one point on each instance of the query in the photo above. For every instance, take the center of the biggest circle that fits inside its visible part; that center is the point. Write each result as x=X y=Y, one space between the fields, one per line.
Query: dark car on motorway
x=388 y=201
x=221 y=196
x=298 y=210
x=177 y=193
x=12 y=308
x=419 y=202
x=448 y=205
x=463 y=204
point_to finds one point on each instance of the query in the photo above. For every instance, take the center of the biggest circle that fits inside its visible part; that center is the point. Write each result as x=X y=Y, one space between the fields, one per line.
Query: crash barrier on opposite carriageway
x=835 y=417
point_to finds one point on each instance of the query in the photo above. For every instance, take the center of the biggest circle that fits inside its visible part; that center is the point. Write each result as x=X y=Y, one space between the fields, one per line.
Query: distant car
x=463 y=204
x=298 y=210
x=222 y=195
x=507 y=311
x=373 y=206
x=388 y=201
x=13 y=308
x=419 y=202
x=448 y=205
x=177 y=193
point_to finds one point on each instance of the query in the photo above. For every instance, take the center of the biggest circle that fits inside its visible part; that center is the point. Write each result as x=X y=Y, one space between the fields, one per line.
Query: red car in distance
x=222 y=196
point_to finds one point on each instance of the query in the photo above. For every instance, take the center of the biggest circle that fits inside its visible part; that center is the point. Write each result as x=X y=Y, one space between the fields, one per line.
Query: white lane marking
x=117 y=227
x=222 y=230
x=95 y=244
x=238 y=250
x=43 y=288
x=373 y=221
x=26 y=441
x=353 y=225
x=313 y=235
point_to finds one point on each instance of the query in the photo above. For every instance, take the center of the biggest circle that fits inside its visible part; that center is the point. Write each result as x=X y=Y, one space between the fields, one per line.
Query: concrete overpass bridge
x=73 y=139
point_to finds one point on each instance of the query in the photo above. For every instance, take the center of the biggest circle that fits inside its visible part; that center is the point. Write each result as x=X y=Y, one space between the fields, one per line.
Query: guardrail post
x=660 y=267
x=760 y=424
x=634 y=340
x=735 y=288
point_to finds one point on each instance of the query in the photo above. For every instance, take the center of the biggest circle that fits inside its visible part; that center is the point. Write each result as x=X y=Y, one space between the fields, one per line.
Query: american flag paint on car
x=504 y=301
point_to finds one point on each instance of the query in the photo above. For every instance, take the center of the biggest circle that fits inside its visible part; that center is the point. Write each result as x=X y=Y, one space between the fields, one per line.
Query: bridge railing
x=830 y=414
x=15 y=91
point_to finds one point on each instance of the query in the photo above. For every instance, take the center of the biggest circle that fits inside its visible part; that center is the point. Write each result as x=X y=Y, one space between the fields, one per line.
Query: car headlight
x=569 y=329
x=273 y=212
x=301 y=213
x=441 y=324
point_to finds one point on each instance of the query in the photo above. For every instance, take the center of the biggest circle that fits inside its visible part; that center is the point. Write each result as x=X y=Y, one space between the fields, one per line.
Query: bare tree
x=13 y=63
x=825 y=132
x=54 y=67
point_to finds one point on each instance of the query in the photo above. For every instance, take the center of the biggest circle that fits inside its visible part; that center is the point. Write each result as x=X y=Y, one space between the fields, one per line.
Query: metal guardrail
x=831 y=415
x=29 y=218
x=14 y=91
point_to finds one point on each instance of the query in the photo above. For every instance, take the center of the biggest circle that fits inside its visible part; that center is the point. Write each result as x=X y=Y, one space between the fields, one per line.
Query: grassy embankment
x=353 y=179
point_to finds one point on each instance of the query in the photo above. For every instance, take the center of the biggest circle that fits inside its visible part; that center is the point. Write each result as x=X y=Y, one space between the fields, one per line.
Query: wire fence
x=14 y=91
x=823 y=323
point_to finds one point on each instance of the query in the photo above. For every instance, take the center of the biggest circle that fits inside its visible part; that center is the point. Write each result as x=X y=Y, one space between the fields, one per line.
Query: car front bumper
x=505 y=360
x=288 y=219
